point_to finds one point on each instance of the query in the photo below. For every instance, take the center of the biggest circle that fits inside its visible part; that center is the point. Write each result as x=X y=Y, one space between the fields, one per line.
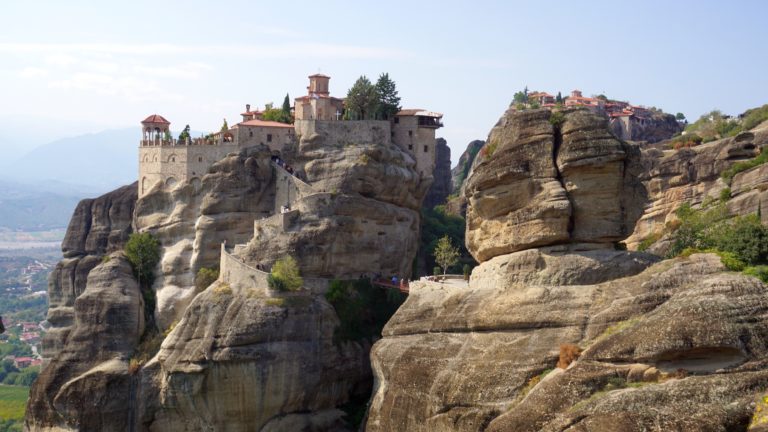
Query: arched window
x=144 y=185
x=172 y=158
x=170 y=182
x=199 y=158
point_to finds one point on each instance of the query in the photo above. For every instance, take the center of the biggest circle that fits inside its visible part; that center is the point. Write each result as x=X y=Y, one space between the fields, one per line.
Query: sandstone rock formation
x=87 y=385
x=234 y=358
x=675 y=177
x=98 y=226
x=657 y=127
x=441 y=185
x=551 y=184
x=666 y=345
x=457 y=204
x=256 y=364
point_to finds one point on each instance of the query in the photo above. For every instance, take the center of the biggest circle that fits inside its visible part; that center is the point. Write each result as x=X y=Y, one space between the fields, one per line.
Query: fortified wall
x=165 y=162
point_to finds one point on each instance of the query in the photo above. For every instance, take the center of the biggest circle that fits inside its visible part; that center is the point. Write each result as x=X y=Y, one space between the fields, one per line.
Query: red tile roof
x=156 y=118
x=252 y=113
x=265 y=123
x=319 y=75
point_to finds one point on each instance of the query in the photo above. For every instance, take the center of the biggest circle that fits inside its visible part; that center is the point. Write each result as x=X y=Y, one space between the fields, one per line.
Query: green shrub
x=466 y=270
x=285 y=275
x=738 y=167
x=754 y=117
x=556 y=119
x=760 y=272
x=725 y=194
x=143 y=252
x=648 y=241
x=730 y=261
x=437 y=271
x=205 y=277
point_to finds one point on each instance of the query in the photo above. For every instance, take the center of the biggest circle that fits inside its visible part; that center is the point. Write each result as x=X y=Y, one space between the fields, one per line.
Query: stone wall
x=171 y=165
x=346 y=132
x=241 y=276
x=418 y=141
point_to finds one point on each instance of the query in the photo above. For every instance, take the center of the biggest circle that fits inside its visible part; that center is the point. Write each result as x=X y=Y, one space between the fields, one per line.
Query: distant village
x=627 y=121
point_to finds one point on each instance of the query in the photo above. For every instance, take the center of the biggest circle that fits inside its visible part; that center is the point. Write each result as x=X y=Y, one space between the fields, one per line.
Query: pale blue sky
x=72 y=67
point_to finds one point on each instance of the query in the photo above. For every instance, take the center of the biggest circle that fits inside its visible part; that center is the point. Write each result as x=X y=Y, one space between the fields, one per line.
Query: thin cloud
x=33 y=72
x=267 y=50
x=186 y=71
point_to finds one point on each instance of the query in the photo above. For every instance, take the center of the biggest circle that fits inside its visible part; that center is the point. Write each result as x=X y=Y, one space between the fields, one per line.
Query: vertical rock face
x=98 y=226
x=658 y=127
x=672 y=345
x=256 y=364
x=461 y=171
x=544 y=184
x=86 y=385
x=441 y=185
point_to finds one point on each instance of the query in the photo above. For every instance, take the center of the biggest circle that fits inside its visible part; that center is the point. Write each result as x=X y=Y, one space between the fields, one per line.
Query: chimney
x=247 y=107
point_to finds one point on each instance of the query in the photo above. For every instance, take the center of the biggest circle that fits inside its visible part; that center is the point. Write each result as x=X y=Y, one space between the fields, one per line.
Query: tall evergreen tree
x=361 y=100
x=224 y=126
x=184 y=135
x=559 y=98
x=389 y=101
x=287 y=104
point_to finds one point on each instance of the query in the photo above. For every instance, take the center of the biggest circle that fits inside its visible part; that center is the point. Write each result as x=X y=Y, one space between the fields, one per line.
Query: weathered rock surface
x=191 y=221
x=692 y=175
x=98 y=226
x=461 y=171
x=546 y=185
x=256 y=364
x=87 y=385
x=657 y=127
x=441 y=185
x=457 y=359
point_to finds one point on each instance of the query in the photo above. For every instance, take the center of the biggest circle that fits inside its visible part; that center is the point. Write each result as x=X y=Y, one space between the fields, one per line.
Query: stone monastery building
x=165 y=162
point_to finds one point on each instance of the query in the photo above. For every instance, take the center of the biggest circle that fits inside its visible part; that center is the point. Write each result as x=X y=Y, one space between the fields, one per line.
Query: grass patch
x=275 y=301
x=222 y=290
x=13 y=402
x=649 y=241
x=533 y=382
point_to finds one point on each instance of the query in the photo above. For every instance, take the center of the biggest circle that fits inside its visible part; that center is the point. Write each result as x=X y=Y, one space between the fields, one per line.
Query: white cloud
x=33 y=72
x=62 y=53
x=185 y=71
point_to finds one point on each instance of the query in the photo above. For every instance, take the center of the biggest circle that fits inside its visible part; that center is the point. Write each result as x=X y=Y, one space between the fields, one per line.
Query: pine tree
x=287 y=104
x=389 y=101
x=224 y=127
x=361 y=100
x=559 y=98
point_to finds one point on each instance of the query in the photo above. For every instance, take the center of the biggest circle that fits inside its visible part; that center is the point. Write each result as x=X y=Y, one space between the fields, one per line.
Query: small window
x=392 y=134
x=199 y=158
x=250 y=134
x=269 y=137
x=410 y=146
x=410 y=133
x=173 y=159
x=426 y=149
x=397 y=120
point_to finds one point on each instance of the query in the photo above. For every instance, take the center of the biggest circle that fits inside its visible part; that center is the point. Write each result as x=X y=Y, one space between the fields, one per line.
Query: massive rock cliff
x=657 y=126
x=670 y=345
x=96 y=316
x=231 y=357
x=441 y=185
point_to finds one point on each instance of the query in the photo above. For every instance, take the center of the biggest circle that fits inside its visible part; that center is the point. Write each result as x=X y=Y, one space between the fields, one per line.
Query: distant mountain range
x=40 y=189
x=93 y=162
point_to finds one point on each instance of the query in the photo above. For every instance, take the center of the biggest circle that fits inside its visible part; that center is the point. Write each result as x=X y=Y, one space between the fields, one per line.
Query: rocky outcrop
x=256 y=363
x=657 y=126
x=461 y=171
x=98 y=226
x=87 y=384
x=360 y=214
x=664 y=345
x=191 y=221
x=692 y=175
x=457 y=202
x=441 y=185
x=544 y=184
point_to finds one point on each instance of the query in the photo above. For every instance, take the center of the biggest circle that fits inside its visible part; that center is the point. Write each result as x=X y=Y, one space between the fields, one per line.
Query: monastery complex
x=165 y=162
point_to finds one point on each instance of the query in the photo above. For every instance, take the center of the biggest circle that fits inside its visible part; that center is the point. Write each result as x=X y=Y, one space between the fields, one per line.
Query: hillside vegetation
x=716 y=125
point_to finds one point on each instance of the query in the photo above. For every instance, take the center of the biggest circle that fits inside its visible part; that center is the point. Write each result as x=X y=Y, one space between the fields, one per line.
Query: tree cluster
x=285 y=275
x=367 y=101
x=282 y=115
